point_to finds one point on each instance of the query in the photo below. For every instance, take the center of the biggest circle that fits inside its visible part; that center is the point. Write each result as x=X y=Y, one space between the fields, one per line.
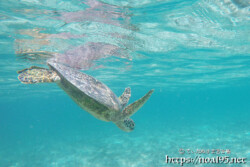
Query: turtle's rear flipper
x=132 y=108
x=36 y=74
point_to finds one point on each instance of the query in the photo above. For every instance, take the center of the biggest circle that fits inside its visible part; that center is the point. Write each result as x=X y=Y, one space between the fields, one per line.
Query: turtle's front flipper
x=36 y=74
x=124 y=98
x=132 y=108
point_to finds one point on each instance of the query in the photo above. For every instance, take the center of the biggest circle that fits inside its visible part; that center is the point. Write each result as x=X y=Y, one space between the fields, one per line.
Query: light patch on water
x=133 y=150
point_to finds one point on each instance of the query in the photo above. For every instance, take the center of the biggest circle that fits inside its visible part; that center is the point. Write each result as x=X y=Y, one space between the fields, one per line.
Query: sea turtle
x=90 y=94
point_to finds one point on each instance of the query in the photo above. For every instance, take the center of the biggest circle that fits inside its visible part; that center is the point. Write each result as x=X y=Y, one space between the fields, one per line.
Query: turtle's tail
x=36 y=74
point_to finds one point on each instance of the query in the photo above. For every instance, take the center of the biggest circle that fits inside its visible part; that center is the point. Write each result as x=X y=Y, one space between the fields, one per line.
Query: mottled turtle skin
x=36 y=74
x=90 y=94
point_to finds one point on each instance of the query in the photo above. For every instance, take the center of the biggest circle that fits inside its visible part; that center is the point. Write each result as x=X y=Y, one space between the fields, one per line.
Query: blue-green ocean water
x=193 y=53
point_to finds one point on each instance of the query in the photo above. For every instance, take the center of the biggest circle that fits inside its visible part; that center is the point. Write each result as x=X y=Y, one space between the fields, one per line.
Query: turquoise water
x=193 y=53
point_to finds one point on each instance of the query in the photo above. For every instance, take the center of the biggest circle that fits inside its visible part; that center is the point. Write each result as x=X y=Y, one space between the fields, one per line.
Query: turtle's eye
x=129 y=123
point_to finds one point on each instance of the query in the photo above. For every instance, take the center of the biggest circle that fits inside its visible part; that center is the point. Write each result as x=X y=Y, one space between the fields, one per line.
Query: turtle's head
x=126 y=124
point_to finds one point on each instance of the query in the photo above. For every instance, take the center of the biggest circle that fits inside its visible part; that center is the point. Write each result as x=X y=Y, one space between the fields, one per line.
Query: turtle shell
x=90 y=88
